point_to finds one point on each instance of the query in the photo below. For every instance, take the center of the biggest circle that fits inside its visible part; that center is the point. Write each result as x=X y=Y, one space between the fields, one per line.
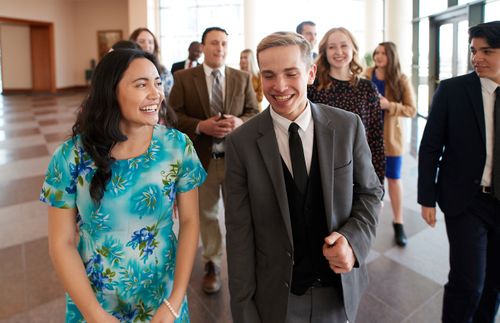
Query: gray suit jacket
x=190 y=100
x=259 y=235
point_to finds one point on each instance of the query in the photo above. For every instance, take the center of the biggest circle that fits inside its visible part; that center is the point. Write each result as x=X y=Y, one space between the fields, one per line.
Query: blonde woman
x=249 y=64
x=339 y=85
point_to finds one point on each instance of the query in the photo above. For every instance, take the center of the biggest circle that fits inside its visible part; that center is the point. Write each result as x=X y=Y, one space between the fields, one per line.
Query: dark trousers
x=472 y=291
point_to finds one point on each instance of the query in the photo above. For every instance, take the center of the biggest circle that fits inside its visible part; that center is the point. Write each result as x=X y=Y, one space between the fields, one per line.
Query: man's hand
x=216 y=126
x=339 y=253
x=231 y=121
x=429 y=215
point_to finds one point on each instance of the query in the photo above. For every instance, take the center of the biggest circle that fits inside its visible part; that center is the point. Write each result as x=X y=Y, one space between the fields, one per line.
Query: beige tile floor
x=406 y=284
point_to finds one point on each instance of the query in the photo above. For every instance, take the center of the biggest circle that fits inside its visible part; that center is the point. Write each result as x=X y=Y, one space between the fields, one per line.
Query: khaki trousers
x=209 y=196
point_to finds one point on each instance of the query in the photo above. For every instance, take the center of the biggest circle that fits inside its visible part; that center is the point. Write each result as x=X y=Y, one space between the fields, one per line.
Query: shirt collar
x=208 y=70
x=303 y=120
x=489 y=85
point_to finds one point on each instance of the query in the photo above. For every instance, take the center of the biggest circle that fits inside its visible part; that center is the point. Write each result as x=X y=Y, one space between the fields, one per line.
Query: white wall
x=16 y=57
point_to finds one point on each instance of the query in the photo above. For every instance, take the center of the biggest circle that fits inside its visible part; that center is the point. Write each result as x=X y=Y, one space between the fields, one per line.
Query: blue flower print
x=79 y=170
x=145 y=240
x=99 y=279
x=125 y=312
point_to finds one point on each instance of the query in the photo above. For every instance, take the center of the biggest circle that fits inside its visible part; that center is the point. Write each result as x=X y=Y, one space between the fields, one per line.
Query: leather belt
x=218 y=155
x=486 y=189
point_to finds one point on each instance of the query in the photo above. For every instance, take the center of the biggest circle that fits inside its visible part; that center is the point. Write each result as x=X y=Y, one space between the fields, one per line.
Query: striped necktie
x=217 y=103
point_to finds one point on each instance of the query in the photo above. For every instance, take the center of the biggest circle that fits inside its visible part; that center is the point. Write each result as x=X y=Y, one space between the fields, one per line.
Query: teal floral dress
x=127 y=244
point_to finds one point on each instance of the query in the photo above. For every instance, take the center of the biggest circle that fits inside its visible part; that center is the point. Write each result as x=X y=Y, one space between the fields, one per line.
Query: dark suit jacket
x=190 y=100
x=453 y=146
x=178 y=66
x=259 y=238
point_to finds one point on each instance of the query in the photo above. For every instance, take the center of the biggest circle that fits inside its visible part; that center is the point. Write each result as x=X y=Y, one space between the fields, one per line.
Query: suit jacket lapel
x=201 y=88
x=268 y=147
x=324 y=136
x=473 y=88
x=230 y=88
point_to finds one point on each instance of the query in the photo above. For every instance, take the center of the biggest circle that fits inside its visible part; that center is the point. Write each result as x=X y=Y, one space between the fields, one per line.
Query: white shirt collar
x=208 y=70
x=303 y=120
x=489 y=85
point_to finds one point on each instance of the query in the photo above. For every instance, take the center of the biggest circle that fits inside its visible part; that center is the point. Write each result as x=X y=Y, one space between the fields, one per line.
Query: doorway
x=448 y=47
x=42 y=63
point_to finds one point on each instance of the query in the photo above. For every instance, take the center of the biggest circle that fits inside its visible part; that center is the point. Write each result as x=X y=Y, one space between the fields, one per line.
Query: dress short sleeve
x=68 y=166
x=191 y=172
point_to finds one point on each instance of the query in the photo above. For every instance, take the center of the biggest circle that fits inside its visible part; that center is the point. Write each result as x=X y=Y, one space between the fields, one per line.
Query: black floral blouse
x=363 y=99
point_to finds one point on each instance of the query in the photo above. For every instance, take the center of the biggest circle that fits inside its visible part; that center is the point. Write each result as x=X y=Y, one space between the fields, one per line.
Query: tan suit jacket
x=190 y=100
x=259 y=239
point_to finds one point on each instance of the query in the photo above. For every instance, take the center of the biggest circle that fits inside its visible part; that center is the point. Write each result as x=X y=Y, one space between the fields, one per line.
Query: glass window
x=492 y=11
x=463 y=48
x=182 y=22
x=423 y=45
x=445 y=51
x=430 y=7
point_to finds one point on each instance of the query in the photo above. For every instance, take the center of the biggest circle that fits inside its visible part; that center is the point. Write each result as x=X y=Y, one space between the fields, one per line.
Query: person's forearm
x=186 y=253
x=71 y=272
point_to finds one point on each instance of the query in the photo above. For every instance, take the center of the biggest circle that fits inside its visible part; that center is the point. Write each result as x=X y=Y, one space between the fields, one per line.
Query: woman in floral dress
x=339 y=85
x=111 y=190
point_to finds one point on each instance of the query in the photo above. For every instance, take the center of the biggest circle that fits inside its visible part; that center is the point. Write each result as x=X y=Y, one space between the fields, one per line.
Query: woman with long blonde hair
x=338 y=84
x=249 y=64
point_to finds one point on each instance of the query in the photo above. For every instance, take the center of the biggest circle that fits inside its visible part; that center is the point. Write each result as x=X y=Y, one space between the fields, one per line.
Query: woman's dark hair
x=125 y=44
x=487 y=30
x=98 y=122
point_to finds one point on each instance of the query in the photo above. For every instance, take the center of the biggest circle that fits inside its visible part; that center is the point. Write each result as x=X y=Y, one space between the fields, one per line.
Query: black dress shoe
x=399 y=234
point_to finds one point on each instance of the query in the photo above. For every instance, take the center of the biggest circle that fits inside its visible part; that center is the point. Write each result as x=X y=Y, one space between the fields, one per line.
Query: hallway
x=406 y=284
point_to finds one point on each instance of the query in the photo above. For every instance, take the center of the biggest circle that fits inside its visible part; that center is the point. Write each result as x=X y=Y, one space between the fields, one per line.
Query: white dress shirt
x=488 y=88
x=306 y=133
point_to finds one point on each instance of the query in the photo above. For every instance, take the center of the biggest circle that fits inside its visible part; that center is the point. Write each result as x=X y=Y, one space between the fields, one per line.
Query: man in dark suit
x=300 y=219
x=211 y=100
x=194 y=51
x=458 y=160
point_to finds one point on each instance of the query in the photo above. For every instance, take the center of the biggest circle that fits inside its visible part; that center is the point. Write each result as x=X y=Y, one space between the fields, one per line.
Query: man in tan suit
x=211 y=100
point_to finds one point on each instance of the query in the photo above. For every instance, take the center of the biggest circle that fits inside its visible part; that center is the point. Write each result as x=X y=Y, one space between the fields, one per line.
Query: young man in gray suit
x=301 y=208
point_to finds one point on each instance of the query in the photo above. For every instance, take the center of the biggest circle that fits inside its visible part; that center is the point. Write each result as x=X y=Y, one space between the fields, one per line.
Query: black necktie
x=496 y=147
x=297 y=157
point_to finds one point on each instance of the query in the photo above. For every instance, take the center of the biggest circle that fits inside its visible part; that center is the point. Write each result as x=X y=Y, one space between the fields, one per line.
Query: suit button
x=289 y=254
x=286 y=284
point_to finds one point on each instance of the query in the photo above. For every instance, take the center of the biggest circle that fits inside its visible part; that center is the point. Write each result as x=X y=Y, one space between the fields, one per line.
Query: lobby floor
x=406 y=284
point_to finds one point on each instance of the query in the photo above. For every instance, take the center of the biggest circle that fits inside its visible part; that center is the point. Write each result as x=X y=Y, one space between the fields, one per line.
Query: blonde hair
x=286 y=38
x=324 y=67
x=252 y=64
